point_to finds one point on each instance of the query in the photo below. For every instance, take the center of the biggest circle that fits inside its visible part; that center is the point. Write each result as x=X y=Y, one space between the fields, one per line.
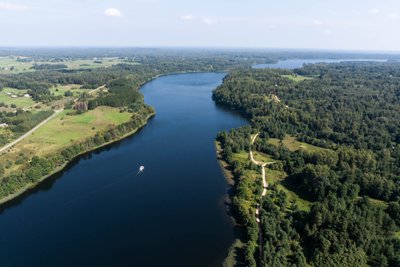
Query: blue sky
x=322 y=24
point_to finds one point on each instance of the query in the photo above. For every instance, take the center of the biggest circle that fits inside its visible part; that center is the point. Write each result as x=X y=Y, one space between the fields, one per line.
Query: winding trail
x=22 y=137
x=262 y=164
x=265 y=186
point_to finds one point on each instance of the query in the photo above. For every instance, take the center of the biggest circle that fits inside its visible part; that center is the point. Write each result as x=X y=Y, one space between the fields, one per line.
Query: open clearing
x=297 y=78
x=20 y=101
x=273 y=177
x=293 y=145
x=259 y=156
x=8 y=63
x=65 y=129
x=62 y=89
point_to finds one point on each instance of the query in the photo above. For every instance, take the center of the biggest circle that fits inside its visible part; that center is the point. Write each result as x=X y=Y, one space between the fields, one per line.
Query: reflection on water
x=98 y=212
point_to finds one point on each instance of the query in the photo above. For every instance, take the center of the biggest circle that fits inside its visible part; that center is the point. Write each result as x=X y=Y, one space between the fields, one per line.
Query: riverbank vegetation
x=95 y=106
x=334 y=190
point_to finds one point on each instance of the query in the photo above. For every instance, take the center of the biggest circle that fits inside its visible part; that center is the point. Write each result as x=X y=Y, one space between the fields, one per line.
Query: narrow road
x=262 y=164
x=19 y=139
x=265 y=187
x=92 y=91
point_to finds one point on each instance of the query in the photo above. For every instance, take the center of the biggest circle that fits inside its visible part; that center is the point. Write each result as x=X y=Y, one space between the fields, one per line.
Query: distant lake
x=99 y=212
x=298 y=63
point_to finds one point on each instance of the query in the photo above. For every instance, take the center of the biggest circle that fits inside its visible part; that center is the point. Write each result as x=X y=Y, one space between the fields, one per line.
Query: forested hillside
x=349 y=114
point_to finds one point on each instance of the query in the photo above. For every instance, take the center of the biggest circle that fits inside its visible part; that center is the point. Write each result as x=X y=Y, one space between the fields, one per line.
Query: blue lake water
x=98 y=212
x=298 y=63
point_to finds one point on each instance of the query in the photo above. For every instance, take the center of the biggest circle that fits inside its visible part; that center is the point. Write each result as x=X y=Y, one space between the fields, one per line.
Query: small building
x=3 y=125
x=9 y=93
x=27 y=95
x=14 y=96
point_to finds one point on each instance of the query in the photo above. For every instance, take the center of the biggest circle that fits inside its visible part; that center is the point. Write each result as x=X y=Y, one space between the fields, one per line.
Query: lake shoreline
x=234 y=250
x=59 y=169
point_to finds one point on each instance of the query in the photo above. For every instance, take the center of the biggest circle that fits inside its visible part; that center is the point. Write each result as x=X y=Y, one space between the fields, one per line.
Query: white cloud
x=112 y=12
x=394 y=16
x=188 y=17
x=374 y=11
x=317 y=22
x=208 y=21
x=11 y=6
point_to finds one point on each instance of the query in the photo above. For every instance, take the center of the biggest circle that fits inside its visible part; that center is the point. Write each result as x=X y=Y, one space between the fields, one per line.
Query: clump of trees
x=49 y=66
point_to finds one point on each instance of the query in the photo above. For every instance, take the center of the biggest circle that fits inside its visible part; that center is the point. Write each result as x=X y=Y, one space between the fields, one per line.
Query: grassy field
x=74 y=88
x=68 y=128
x=297 y=78
x=293 y=145
x=65 y=129
x=277 y=177
x=6 y=63
x=259 y=156
x=20 y=101
x=242 y=156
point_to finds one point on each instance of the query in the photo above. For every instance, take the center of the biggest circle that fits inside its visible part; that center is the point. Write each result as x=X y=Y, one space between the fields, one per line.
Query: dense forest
x=351 y=111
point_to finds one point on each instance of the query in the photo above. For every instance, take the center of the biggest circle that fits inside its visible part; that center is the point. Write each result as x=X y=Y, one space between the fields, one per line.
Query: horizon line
x=271 y=49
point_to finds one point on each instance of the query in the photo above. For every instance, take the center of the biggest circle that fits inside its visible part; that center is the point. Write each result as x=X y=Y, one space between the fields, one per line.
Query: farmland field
x=65 y=129
x=20 y=101
x=10 y=65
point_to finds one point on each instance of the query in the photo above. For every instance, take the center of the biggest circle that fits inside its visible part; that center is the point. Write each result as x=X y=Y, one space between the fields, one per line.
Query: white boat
x=141 y=169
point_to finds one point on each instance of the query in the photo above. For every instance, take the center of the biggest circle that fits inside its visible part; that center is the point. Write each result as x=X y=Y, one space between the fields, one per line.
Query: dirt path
x=262 y=164
x=265 y=187
x=19 y=139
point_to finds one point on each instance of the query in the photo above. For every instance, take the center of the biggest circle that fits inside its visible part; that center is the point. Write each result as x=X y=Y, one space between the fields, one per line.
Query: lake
x=298 y=63
x=99 y=212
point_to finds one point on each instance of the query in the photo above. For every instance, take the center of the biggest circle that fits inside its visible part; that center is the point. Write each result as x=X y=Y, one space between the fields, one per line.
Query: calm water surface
x=298 y=63
x=100 y=213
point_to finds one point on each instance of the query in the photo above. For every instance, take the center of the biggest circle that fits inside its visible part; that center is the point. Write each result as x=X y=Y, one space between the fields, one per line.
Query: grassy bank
x=65 y=129
x=60 y=168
